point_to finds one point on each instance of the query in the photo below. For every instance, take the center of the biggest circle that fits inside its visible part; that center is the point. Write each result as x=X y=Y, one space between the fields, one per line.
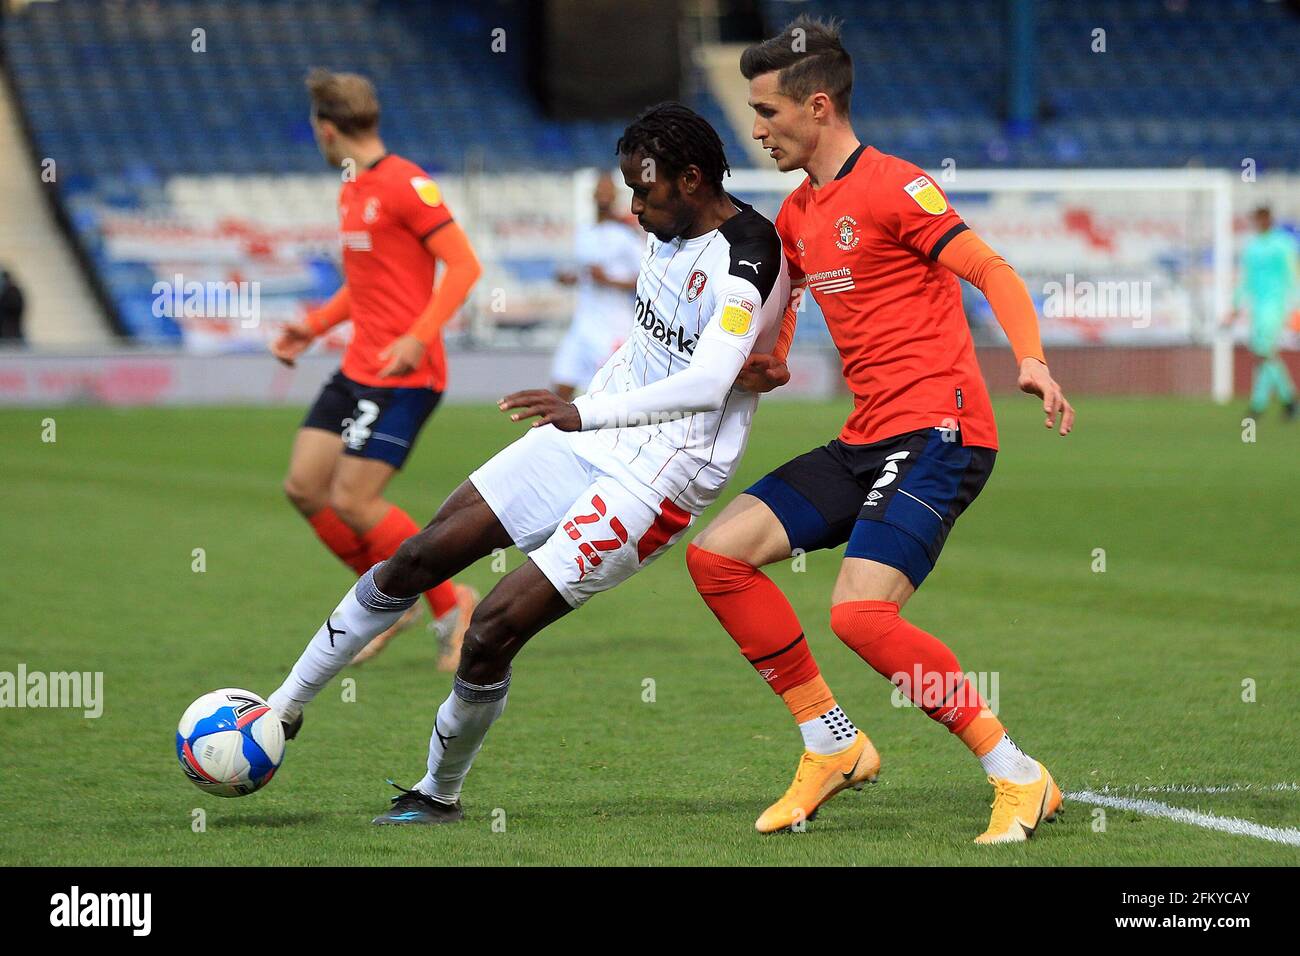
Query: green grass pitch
x=1129 y=678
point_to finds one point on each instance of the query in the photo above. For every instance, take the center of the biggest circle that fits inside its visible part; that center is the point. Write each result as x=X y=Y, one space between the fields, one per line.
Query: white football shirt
x=729 y=285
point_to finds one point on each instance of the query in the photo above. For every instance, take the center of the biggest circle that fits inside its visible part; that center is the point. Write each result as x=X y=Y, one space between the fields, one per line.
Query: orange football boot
x=1018 y=808
x=818 y=778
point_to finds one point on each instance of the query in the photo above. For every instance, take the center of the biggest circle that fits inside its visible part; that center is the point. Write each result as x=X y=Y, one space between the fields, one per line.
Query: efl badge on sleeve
x=737 y=315
x=927 y=195
x=427 y=190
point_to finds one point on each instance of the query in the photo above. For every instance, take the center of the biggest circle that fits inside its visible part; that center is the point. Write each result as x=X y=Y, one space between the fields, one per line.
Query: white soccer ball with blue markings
x=230 y=742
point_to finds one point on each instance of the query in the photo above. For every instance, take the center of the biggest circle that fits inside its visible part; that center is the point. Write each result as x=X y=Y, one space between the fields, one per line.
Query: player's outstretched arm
x=296 y=337
x=461 y=270
x=700 y=387
x=970 y=257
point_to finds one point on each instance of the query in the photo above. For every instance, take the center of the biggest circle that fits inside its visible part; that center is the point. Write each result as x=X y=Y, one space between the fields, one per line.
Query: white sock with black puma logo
x=364 y=613
x=458 y=731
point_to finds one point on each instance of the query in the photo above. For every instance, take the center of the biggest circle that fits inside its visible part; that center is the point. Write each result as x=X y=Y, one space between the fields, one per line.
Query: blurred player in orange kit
x=394 y=228
x=876 y=242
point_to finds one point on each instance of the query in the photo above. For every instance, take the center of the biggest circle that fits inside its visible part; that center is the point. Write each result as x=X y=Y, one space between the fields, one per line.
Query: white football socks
x=458 y=731
x=830 y=733
x=364 y=613
x=1009 y=762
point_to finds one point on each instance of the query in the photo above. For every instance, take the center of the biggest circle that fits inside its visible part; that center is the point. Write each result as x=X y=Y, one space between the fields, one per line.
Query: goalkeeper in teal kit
x=1270 y=282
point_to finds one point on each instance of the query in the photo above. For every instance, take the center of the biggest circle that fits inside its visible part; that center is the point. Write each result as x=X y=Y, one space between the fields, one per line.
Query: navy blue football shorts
x=374 y=422
x=893 y=501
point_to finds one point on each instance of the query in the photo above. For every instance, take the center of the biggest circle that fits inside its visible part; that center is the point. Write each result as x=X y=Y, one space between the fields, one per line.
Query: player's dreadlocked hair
x=675 y=137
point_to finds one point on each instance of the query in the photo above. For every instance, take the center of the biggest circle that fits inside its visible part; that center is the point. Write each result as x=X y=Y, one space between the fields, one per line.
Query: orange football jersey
x=866 y=244
x=385 y=215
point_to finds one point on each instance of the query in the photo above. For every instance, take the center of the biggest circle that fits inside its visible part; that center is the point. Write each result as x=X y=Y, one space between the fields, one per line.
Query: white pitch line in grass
x=1288 y=835
x=1221 y=788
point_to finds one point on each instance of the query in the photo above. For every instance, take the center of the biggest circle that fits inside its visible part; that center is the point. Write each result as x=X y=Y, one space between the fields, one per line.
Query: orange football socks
x=382 y=542
x=918 y=663
x=983 y=733
x=341 y=539
x=757 y=615
x=761 y=621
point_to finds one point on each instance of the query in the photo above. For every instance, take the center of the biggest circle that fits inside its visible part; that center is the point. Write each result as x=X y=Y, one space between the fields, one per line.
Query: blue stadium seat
x=115 y=93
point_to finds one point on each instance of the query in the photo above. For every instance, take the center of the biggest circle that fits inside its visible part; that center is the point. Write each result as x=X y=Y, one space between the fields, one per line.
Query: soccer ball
x=230 y=742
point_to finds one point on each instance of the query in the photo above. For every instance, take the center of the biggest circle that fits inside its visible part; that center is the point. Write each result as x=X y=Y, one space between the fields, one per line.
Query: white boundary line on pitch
x=1222 y=788
x=1287 y=835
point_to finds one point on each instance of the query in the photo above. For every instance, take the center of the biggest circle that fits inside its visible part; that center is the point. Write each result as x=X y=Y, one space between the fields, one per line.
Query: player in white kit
x=600 y=487
x=608 y=254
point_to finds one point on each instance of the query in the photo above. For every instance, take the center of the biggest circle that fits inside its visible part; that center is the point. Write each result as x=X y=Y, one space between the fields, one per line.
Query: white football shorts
x=585 y=529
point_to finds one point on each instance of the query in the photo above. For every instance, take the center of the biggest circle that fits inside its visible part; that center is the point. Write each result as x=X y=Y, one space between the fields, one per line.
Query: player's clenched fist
x=546 y=406
x=1037 y=380
x=292 y=341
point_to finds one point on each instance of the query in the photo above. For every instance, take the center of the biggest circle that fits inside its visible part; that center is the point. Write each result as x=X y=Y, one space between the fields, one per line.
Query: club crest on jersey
x=427 y=190
x=695 y=285
x=846 y=233
x=926 y=195
x=371 y=212
x=737 y=315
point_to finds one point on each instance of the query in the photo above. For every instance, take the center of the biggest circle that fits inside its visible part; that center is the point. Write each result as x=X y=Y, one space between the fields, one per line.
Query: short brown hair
x=809 y=58
x=347 y=100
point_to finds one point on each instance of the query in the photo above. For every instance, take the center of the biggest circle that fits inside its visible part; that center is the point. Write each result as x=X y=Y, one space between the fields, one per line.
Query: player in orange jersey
x=876 y=242
x=394 y=229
